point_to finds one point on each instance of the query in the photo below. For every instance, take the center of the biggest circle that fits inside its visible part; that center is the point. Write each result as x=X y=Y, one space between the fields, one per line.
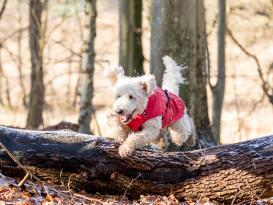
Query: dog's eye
x=118 y=96
x=131 y=97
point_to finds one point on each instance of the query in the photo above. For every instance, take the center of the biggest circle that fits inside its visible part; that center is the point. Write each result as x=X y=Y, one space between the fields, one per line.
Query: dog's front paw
x=125 y=151
x=119 y=138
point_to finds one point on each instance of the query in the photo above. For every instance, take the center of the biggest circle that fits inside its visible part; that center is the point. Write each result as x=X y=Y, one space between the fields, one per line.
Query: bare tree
x=37 y=92
x=265 y=83
x=3 y=7
x=19 y=52
x=4 y=78
x=178 y=30
x=130 y=32
x=218 y=90
x=76 y=91
x=88 y=61
x=2 y=10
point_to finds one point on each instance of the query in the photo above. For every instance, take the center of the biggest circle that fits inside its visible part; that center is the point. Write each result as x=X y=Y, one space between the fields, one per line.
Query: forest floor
x=33 y=193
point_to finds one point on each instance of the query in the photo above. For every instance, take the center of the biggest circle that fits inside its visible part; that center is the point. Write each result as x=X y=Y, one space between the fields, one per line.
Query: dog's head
x=131 y=94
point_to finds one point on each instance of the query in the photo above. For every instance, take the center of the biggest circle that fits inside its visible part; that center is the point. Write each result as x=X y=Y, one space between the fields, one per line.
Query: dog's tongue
x=125 y=118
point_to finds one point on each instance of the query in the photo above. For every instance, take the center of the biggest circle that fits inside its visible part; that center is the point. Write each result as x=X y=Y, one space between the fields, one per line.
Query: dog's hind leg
x=182 y=131
x=163 y=140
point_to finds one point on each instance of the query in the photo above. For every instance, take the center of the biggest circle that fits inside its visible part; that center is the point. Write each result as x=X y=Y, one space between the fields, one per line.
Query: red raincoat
x=160 y=103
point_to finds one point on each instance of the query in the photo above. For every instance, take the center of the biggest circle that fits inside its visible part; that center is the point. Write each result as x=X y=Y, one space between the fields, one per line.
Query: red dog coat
x=160 y=103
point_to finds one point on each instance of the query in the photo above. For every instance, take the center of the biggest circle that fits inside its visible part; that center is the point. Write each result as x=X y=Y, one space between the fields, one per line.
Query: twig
x=87 y=198
x=212 y=25
x=3 y=8
x=66 y=47
x=18 y=163
x=266 y=188
x=78 y=19
x=69 y=182
x=29 y=174
x=14 y=33
x=130 y=185
x=22 y=182
x=61 y=172
x=265 y=85
x=57 y=25
x=96 y=122
x=237 y=107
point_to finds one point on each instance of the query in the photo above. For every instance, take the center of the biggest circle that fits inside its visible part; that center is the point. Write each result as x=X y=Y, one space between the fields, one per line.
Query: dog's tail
x=172 y=77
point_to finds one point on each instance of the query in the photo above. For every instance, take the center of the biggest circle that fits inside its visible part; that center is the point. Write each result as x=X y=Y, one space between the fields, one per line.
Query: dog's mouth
x=127 y=118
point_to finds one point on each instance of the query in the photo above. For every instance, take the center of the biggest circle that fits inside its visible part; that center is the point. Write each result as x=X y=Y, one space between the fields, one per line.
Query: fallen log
x=236 y=172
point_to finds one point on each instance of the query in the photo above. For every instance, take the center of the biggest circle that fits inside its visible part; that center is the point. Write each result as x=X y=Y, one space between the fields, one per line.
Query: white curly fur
x=131 y=97
x=172 y=77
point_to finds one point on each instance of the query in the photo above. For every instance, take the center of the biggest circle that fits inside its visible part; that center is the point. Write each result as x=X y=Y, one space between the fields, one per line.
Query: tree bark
x=130 y=35
x=218 y=90
x=178 y=30
x=37 y=92
x=88 y=62
x=19 y=53
x=237 y=172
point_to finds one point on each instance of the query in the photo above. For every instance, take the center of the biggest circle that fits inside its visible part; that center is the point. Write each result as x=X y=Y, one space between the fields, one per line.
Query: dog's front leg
x=118 y=131
x=150 y=132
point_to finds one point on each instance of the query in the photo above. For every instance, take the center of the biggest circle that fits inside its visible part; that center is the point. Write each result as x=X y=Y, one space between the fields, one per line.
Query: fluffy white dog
x=143 y=112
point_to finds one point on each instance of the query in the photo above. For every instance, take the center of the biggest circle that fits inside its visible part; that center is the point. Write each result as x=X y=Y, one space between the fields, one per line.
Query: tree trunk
x=178 y=30
x=19 y=53
x=5 y=79
x=218 y=90
x=88 y=61
x=3 y=7
x=37 y=92
x=1 y=78
x=237 y=172
x=130 y=32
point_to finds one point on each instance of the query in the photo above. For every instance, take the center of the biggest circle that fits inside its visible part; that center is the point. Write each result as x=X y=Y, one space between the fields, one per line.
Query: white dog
x=144 y=111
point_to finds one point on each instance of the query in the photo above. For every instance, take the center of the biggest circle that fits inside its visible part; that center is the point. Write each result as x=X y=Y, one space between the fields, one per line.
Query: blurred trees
x=218 y=90
x=88 y=61
x=2 y=75
x=3 y=7
x=19 y=53
x=178 y=30
x=130 y=32
x=37 y=92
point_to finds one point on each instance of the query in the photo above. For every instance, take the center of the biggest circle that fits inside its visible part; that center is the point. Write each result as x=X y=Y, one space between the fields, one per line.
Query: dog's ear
x=113 y=73
x=148 y=83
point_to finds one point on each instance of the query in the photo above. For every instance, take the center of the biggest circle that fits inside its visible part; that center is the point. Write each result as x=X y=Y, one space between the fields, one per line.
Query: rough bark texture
x=237 y=172
x=88 y=62
x=37 y=92
x=178 y=30
x=130 y=32
x=218 y=89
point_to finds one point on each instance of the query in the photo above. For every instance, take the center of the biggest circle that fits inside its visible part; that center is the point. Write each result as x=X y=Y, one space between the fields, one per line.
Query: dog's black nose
x=120 y=112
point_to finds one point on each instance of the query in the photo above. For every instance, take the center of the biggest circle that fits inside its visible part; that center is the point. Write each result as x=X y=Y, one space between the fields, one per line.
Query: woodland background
x=52 y=56
x=246 y=113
